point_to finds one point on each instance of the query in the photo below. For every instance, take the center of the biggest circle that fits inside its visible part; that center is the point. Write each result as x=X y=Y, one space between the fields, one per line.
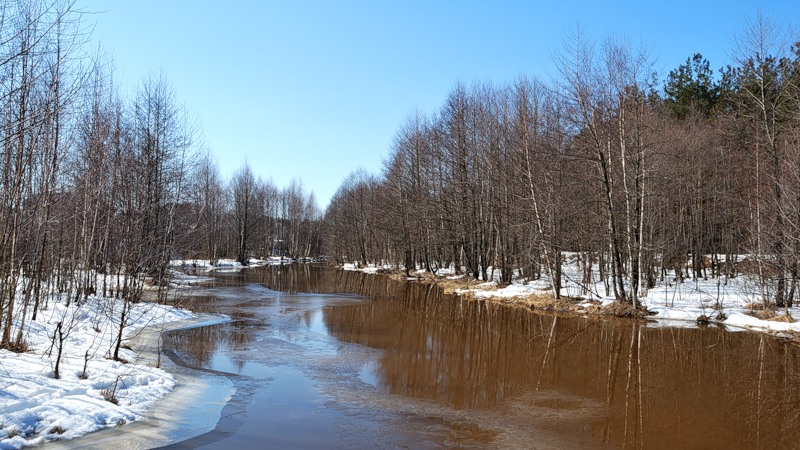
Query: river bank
x=93 y=392
x=473 y=373
x=192 y=401
x=191 y=408
x=732 y=303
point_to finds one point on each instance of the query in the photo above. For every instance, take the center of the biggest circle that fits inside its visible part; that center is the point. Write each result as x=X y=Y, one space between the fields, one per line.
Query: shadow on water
x=489 y=373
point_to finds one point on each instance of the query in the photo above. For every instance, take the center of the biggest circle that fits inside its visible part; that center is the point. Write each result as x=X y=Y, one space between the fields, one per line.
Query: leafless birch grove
x=642 y=176
x=100 y=191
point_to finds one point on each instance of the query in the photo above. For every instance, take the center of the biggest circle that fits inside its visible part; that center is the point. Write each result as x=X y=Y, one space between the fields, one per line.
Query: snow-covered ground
x=222 y=265
x=722 y=300
x=226 y=265
x=35 y=407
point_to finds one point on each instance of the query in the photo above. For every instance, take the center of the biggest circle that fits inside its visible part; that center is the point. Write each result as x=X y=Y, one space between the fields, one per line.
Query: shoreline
x=543 y=302
x=195 y=407
x=189 y=410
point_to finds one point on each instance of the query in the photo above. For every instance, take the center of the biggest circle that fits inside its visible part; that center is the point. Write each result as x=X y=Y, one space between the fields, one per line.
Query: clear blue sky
x=314 y=90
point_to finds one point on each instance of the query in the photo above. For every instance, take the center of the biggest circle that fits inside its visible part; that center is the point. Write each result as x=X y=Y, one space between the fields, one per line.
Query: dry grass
x=450 y=286
x=757 y=306
x=17 y=347
x=768 y=312
x=109 y=395
x=763 y=314
x=544 y=301
x=785 y=318
x=400 y=275
x=620 y=309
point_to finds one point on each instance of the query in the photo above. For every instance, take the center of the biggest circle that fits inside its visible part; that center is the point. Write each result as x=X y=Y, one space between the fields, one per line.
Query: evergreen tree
x=692 y=88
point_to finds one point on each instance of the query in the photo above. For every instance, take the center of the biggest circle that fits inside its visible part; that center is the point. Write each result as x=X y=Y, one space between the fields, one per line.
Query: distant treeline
x=636 y=175
x=98 y=191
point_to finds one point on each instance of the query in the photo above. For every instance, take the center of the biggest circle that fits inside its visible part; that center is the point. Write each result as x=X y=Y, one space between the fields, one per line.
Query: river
x=322 y=358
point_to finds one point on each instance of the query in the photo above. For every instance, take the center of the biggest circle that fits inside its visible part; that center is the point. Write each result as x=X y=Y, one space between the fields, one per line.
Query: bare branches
x=505 y=180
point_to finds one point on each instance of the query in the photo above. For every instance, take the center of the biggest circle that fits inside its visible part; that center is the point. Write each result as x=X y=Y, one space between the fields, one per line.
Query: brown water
x=410 y=367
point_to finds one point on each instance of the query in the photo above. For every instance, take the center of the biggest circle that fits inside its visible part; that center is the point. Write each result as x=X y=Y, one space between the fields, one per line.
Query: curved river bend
x=402 y=365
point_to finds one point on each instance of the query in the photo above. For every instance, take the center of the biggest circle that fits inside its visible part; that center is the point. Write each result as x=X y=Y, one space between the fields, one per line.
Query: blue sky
x=314 y=90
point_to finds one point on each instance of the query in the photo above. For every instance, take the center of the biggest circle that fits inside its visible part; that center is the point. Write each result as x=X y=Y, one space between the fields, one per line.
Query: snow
x=35 y=407
x=226 y=265
x=179 y=279
x=673 y=303
x=369 y=268
x=204 y=265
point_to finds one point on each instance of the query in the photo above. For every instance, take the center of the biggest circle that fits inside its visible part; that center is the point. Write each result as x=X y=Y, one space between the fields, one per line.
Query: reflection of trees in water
x=198 y=345
x=296 y=278
x=291 y=278
x=665 y=387
x=199 y=303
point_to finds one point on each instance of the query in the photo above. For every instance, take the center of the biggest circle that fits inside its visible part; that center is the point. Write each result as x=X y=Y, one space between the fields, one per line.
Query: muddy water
x=406 y=366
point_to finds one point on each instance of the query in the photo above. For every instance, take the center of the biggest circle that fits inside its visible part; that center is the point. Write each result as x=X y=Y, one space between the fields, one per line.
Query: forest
x=634 y=173
x=695 y=173
x=99 y=191
x=606 y=173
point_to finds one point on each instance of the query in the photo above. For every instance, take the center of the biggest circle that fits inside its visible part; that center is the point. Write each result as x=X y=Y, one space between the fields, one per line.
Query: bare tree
x=243 y=192
x=765 y=102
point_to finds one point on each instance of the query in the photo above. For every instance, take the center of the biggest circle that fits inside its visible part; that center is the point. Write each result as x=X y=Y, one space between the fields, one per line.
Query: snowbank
x=725 y=301
x=35 y=407
x=222 y=265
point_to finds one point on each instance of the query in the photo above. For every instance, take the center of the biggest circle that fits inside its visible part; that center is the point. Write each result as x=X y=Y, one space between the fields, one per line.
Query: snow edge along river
x=155 y=406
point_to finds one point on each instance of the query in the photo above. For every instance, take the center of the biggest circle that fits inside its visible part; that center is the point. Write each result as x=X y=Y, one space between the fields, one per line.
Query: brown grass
x=785 y=318
x=17 y=347
x=400 y=275
x=620 y=309
x=543 y=301
x=449 y=286
x=756 y=306
x=462 y=282
x=763 y=314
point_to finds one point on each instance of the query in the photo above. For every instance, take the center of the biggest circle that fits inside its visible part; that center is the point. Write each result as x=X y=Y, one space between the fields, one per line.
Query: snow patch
x=35 y=407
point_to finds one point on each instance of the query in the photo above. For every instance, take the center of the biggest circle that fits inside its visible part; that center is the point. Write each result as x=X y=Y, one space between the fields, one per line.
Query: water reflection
x=656 y=387
x=665 y=388
x=198 y=346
